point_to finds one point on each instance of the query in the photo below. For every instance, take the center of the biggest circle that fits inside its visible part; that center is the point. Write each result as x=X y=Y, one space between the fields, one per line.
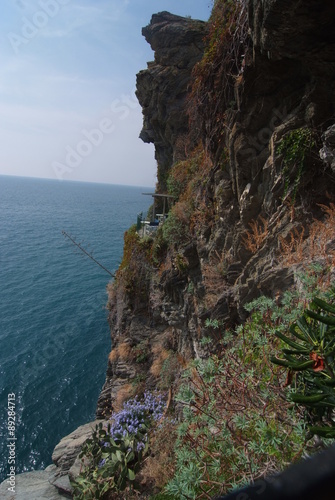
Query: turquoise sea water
x=54 y=335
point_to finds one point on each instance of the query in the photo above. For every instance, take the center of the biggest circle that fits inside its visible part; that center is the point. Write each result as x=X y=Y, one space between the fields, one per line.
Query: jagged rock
x=53 y=483
x=327 y=153
x=299 y=30
x=65 y=455
x=33 y=485
x=286 y=83
x=162 y=87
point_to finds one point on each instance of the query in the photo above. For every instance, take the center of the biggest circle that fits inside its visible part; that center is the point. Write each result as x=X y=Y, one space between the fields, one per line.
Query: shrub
x=175 y=229
x=238 y=420
x=309 y=356
x=183 y=172
x=135 y=269
x=188 y=182
x=295 y=147
x=237 y=424
x=115 y=453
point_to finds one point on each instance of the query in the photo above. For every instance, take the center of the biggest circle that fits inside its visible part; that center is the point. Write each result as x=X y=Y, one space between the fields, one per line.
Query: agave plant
x=309 y=353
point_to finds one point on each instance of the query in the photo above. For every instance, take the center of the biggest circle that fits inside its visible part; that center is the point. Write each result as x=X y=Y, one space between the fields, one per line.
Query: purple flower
x=137 y=415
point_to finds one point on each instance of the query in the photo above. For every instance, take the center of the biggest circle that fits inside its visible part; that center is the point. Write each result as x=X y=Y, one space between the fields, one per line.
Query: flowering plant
x=115 y=452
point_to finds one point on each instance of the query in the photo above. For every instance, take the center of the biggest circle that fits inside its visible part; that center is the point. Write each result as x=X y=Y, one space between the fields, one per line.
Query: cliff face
x=245 y=199
x=162 y=88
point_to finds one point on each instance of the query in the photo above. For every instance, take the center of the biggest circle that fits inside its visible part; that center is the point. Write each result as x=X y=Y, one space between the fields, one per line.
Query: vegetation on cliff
x=228 y=309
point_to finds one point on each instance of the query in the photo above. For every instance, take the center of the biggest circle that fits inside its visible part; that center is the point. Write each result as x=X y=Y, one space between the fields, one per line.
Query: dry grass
x=255 y=238
x=125 y=392
x=292 y=247
x=203 y=216
x=318 y=245
x=213 y=274
x=159 y=467
x=113 y=355
x=160 y=355
x=125 y=351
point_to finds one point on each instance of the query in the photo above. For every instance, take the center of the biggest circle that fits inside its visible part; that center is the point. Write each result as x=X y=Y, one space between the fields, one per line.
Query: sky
x=68 y=68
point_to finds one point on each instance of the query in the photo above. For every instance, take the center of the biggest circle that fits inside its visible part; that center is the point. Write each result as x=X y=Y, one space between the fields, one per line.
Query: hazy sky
x=67 y=80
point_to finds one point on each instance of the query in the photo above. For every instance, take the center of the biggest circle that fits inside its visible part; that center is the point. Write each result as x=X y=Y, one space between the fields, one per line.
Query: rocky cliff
x=248 y=182
x=162 y=88
x=241 y=111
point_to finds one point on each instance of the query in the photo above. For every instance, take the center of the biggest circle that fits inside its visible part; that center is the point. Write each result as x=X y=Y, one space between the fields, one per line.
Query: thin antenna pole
x=64 y=233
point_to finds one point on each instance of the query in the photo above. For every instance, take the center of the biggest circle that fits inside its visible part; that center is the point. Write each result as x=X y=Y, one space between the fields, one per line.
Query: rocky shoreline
x=53 y=482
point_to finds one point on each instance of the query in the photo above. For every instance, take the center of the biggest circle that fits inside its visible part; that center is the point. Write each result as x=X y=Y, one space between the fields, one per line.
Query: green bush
x=309 y=356
x=238 y=419
x=113 y=463
x=295 y=147
x=114 y=454
x=135 y=270
x=176 y=228
x=237 y=424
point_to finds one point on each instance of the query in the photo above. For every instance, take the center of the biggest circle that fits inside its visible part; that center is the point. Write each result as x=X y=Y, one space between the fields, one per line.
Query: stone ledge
x=33 y=485
x=53 y=483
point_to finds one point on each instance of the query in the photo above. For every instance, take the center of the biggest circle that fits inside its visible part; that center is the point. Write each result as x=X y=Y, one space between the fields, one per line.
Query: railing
x=148 y=228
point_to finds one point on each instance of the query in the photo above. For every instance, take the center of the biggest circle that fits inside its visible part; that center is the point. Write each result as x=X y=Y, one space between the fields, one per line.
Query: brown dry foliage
x=318 y=245
x=125 y=392
x=113 y=355
x=203 y=215
x=214 y=280
x=159 y=467
x=254 y=239
x=125 y=351
x=293 y=246
x=160 y=355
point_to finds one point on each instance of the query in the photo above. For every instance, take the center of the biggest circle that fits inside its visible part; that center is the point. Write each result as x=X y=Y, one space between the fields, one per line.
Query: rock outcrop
x=65 y=457
x=254 y=191
x=53 y=483
x=248 y=203
x=162 y=88
x=32 y=486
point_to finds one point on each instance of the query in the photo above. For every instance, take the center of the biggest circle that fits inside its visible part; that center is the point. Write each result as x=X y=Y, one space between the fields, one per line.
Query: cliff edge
x=241 y=111
x=218 y=123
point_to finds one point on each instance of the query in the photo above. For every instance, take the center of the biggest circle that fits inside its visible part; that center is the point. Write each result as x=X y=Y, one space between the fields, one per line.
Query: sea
x=54 y=333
